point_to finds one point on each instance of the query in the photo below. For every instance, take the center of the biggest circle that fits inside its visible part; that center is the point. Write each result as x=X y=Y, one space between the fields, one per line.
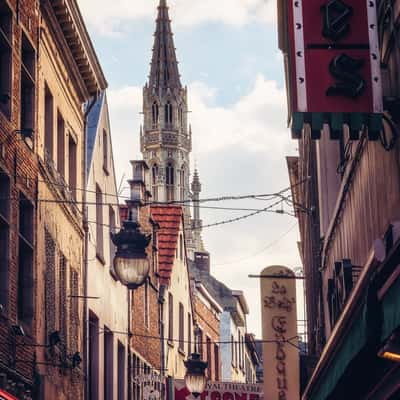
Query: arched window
x=154 y=181
x=168 y=113
x=155 y=114
x=181 y=116
x=182 y=183
x=170 y=181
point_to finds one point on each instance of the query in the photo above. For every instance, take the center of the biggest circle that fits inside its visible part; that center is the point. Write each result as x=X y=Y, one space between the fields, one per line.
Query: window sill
x=106 y=171
x=170 y=343
x=100 y=258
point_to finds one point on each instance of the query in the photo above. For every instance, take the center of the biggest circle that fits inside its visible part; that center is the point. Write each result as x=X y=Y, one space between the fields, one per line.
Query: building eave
x=77 y=40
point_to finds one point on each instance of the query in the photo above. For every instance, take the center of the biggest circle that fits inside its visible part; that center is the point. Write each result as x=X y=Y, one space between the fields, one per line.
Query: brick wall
x=18 y=163
x=208 y=322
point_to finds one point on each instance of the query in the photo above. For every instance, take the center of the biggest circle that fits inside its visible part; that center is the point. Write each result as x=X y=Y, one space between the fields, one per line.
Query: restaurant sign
x=279 y=332
x=333 y=65
x=151 y=384
x=220 y=391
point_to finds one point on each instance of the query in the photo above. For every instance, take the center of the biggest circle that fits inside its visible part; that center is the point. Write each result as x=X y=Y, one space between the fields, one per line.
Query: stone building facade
x=69 y=75
x=19 y=24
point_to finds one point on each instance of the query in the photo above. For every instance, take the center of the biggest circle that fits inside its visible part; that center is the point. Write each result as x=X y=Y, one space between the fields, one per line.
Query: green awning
x=352 y=344
x=391 y=310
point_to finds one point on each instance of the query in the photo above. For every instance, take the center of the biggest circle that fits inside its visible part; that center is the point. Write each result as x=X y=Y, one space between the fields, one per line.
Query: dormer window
x=168 y=113
x=155 y=114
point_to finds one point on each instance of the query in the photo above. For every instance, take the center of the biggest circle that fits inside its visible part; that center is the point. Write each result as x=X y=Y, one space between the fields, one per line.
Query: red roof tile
x=169 y=218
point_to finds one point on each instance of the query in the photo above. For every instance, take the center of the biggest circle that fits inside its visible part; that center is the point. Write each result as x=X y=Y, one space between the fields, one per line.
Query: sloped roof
x=93 y=120
x=169 y=219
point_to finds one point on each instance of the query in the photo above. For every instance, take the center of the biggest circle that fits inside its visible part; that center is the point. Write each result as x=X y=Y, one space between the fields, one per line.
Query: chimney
x=202 y=261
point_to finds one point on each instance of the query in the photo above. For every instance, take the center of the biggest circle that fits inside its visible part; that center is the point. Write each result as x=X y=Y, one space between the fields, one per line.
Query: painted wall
x=110 y=303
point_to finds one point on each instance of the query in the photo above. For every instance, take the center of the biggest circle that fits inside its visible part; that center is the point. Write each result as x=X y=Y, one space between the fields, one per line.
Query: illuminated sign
x=220 y=391
x=279 y=331
x=333 y=65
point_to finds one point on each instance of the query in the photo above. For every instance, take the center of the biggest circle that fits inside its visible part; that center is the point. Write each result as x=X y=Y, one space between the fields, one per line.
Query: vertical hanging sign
x=334 y=65
x=279 y=331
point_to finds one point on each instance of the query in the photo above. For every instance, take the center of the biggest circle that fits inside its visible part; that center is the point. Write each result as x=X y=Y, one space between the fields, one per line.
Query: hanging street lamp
x=131 y=263
x=195 y=377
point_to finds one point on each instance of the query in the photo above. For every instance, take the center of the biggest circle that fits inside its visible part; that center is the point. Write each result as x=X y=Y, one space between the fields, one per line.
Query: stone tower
x=165 y=139
x=197 y=223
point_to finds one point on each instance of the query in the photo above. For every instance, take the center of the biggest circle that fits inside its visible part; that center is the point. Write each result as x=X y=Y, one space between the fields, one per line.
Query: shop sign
x=220 y=391
x=279 y=332
x=334 y=61
x=151 y=384
x=6 y=396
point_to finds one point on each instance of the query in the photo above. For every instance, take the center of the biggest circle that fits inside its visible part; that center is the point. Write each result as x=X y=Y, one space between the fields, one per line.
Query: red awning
x=6 y=396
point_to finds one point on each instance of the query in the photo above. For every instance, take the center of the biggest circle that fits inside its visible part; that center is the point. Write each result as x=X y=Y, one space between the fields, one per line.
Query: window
x=209 y=365
x=240 y=349
x=111 y=222
x=60 y=144
x=93 y=356
x=28 y=76
x=154 y=181
x=72 y=166
x=62 y=313
x=48 y=120
x=99 y=225
x=181 y=247
x=155 y=115
x=136 y=372
x=50 y=284
x=233 y=349
x=216 y=362
x=170 y=317
x=4 y=236
x=5 y=58
x=181 y=116
x=146 y=305
x=74 y=303
x=121 y=371
x=170 y=180
x=105 y=151
x=189 y=334
x=25 y=260
x=182 y=183
x=168 y=113
x=181 y=327
x=200 y=343
x=108 y=367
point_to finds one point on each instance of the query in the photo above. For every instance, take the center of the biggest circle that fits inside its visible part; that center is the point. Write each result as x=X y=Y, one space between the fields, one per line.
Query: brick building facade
x=18 y=191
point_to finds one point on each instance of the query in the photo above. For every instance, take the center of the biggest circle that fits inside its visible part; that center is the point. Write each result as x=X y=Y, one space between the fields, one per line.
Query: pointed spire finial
x=164 y=71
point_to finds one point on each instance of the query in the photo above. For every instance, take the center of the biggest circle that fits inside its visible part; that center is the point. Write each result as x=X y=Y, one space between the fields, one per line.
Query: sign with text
x=151 y=384
x=279 y=329
x=334 y=53
x=220 y=391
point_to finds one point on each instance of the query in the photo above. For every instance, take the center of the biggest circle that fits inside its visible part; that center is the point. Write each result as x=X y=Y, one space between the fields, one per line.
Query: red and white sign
x=220 y=391
x=334 y=56
x=6 y=396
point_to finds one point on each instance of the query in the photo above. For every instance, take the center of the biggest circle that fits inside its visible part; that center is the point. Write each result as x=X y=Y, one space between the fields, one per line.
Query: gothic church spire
x=164 y=71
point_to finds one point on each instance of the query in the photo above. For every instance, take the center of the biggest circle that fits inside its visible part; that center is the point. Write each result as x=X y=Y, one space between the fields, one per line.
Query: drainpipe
x=161 y=301
x=85 y=255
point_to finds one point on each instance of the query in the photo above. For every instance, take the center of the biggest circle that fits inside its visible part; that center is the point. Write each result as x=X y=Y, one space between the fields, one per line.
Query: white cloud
x=240 y=149
x=109 y=17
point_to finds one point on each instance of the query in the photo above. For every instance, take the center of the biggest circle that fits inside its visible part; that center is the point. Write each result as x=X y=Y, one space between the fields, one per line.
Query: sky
x=229 y=59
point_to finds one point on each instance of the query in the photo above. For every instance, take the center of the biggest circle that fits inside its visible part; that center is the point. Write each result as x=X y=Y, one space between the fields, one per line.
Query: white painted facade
x=108 y=305
x=232 y=336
